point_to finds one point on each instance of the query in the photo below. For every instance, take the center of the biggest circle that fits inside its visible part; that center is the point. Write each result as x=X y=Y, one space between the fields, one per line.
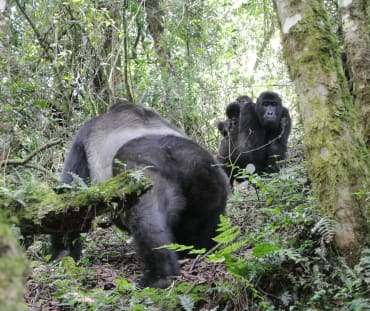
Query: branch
x=31 y=155
x=126 y=58
x=28 y=158
x=38 y=35
x=40 y=209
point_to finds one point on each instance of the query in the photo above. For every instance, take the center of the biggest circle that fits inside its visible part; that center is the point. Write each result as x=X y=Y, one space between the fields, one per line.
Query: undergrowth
x=274 y=252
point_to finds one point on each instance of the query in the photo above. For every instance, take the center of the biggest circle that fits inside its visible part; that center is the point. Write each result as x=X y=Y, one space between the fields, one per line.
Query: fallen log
x=40 y=209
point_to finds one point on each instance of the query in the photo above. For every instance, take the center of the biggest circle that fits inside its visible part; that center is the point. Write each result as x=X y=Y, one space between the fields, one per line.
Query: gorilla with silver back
x=189 y=191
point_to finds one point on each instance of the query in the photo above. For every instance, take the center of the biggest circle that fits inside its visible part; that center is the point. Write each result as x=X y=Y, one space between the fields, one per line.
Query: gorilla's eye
x=269 y=103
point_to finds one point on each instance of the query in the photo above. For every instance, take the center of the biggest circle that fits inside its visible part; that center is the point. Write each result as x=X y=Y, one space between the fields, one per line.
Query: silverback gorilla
x=189 y=191
x=254 y=133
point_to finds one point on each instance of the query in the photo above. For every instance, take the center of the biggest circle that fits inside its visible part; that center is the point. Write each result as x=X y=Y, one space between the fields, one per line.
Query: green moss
x=13 y=269
x=332 y=123
x=36 y=200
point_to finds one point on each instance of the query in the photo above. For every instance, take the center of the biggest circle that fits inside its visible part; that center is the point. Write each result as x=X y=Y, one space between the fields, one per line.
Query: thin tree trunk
x=13 y=269
x=154 y=17
x=6 y=126
x=356 y=29
x=333 y=132
x=13 y=263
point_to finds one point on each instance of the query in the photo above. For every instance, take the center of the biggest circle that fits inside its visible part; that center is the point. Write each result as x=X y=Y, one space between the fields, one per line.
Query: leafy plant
x=326 y=228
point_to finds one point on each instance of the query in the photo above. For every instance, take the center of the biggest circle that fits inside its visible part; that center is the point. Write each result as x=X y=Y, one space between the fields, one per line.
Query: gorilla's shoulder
x=133 y=109
x=122 y=105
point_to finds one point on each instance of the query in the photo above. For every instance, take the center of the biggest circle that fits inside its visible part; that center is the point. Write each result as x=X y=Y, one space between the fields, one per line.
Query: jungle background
x=295 y=240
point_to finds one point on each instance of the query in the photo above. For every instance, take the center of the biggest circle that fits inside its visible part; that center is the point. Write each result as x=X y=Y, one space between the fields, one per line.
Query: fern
x=139 y=175
x=181 y=248
x=293 y=255
x=219 y=256
x=365 y=265
x=228 y=232
x=264 y=249
x=186 y=302
x=358 y=304
x=77 y=182
x=326 y=228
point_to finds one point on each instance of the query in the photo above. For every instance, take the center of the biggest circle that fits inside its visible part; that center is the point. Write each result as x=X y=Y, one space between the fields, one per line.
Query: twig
x=199 y=257
x=44 y=170
x=44 y=45
x=29 y=157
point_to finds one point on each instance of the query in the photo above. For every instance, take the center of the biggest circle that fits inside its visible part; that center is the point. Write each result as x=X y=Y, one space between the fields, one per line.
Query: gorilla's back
x=123 y=123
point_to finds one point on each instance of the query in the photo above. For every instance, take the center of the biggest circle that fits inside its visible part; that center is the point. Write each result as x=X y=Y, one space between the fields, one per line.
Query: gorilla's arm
x=276 y=151
x=76 y=162
x=233 y=114
x=252 y=137
x=229 y=129
x=223 y=128
x=286 y=125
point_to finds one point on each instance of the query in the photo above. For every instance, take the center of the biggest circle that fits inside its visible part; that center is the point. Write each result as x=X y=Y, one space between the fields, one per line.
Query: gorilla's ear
x=243 y=100
x=233 y=110
x=221 y=126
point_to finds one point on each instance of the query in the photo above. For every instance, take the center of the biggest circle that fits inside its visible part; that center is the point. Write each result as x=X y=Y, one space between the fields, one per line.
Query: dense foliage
x=69 y=60
x=275 y=252
x=59 y=69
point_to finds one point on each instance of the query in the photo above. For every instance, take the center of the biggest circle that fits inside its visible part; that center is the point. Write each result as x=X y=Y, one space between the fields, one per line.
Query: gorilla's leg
x=149 y=224
x=76 y=164
x=65 y=245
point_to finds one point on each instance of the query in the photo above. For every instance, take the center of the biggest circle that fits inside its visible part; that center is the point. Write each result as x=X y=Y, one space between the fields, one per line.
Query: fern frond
x=236 y=245
x=326 y=228
x=228 y=232
x=139 y=175
x=186 y=302
x=181 y=248
x=365 y=265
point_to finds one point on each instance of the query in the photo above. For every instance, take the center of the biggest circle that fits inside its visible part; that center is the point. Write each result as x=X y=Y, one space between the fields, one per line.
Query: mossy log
x=41 y=209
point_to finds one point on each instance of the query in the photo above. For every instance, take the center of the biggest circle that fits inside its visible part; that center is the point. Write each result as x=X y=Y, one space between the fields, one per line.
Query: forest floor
x=108 y=255
x=274 y=252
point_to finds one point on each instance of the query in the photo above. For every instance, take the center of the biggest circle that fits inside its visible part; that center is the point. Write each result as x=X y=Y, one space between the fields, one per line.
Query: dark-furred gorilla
x=254 y=133
x=189 y=190
x=232 y=113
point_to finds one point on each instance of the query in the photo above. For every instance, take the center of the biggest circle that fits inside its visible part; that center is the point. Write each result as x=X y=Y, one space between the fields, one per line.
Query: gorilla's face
x=269 y=110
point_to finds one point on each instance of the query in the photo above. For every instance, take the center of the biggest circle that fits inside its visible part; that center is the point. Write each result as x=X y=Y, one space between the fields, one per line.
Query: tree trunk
x=333 y=131
x=13 y=263
x=108 y=77
x=13 y=268
x=154 y=17
x=356 y=29
x=6 y=126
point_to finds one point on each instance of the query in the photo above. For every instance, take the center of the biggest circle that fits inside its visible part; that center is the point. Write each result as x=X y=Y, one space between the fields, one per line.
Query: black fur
x=232 y=113
x=189 y=191
x=257 y=134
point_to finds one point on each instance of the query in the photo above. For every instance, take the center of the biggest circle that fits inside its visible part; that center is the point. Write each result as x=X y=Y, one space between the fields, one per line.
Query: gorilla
x=254 y=133
x=232 y=112
x=189 y=190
